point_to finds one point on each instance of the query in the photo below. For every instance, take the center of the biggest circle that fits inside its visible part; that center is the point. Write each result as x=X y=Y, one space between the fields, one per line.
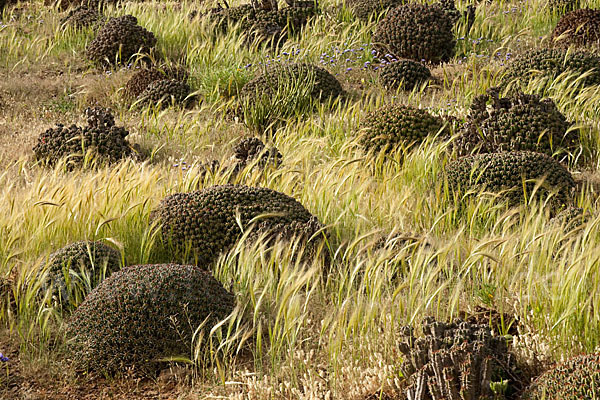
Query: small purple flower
x=3 y=358
x=348 y=69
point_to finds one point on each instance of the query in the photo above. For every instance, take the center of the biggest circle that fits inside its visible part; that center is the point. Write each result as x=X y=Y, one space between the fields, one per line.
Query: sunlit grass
x=307 y=329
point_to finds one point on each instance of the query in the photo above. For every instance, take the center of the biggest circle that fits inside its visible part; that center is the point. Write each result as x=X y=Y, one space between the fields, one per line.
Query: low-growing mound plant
x=560 y=7
x=283 y=91
x=84 y=264
x=579 y=28
x=139 y=81
x=418 y=32
x=248 y=16
x=577 y=378
x=145 y=313
x=101 y=136
x=513 y=174
x=367 y=9
x=165 y=92
x=119 y=40
x=518 y=122
x=249 y=150
x=205 y=223
x=404 y=74
x=81 y=17
x=550 y=63
x=390 y=126
x=322 y=84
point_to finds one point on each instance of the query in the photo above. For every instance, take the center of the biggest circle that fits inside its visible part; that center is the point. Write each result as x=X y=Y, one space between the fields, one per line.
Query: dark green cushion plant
x=576 y=379
x=143 y=314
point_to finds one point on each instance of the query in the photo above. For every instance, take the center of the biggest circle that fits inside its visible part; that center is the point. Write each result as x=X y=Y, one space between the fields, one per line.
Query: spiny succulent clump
x=250 y=149
x=365 y=9
x=454 y=361
x=165 y=91
x=266 y=32
x=506 y=172
x=405 y=74
x=571 y=217
x=293 y=17
x=561 y=7
x=144 y=313
x=101 y=136
x=323 y=85
x=204 y=222
x=231 y=15
x=579 y=28
x=551 y=62
x=80 y=260
x=118 y=40
x=519 y=122
x=136 y=85
x=577 y=378
x=394 y=125
x=81 y=17
x=417 y=32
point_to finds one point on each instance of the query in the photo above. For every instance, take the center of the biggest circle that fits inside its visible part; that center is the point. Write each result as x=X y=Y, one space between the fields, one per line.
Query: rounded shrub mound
x=577 y=378
x=394 y=125
x=519 y=122
x=169 y=91
x=560 y=7
x=81 y=260
x=81 y=17
x=266 y=32
x=323 y=85
x=579 y=28
x=144 y=313
x=250 y=149
x=551 y=62
x=293 y=17
x=366 y=9
x=139 y=81
x=118 y=40
x=416 y=31
x=405 y=74
x=101 y=136
x=507 y=172
x=204 y=223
